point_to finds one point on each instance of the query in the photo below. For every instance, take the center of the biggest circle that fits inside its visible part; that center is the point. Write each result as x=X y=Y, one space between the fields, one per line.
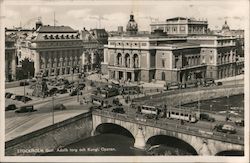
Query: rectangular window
x=163 y=63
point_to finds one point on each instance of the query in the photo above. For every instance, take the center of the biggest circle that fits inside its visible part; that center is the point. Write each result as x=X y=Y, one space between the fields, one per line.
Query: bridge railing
x=191 y=130
x=173 y=92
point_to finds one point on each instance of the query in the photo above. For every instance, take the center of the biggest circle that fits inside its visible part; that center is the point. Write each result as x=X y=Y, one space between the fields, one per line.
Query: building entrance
x=128 y=75
x=120 y=75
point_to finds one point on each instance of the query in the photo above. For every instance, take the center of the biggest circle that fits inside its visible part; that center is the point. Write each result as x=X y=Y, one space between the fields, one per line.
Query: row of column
x=122 y=75
x=192 y=61
x=54 y=61
x=226 y=72
x=61 y=71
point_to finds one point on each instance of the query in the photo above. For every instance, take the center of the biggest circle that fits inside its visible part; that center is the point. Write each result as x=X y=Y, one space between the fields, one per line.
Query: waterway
x=117 y=142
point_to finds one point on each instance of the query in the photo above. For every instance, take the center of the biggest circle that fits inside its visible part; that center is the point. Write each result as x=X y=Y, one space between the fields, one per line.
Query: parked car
x=62 y=91
x=206 y=117
x=81 y=86
x=25 y=109
x=8 y=94
x=207 y=82
x=18 y=97
x=95 y=108
x=13 y=96
x=53 y=91
x=60 y=107
x=150 y=116
x=24 y=83
x=225 y=128
x=117 y=102
x=239 y=122
x=25 y=99
x=219 y=83
x=73 y=93
x=118 y=110
x=10 y=107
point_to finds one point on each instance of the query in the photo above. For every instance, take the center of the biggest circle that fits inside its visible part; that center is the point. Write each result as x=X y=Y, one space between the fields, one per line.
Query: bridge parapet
x=190 y=130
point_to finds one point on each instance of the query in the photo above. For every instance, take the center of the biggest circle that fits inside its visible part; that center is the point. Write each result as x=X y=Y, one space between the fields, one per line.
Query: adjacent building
x=180 y=55
x=93 y=43
x=10 y=58
x=218 y=53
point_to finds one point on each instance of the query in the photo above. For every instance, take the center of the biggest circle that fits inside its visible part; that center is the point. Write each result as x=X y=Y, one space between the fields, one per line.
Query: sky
x=110 y=14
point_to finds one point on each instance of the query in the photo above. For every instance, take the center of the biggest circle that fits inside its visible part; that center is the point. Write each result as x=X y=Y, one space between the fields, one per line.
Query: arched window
x=127 y=60
x=119 y=59
x=136 y=61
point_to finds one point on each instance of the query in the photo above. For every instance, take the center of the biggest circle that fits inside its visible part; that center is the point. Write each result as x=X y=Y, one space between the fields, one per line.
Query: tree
x=26 y=71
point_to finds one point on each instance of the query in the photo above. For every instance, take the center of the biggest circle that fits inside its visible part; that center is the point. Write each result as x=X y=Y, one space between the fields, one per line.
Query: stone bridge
x=203 y=142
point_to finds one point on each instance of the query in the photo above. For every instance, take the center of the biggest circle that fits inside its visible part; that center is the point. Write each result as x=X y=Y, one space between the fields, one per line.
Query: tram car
x=185 y=114
x=101 y=101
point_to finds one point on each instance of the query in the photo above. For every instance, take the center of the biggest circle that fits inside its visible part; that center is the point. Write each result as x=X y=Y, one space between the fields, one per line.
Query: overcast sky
x=79 y=14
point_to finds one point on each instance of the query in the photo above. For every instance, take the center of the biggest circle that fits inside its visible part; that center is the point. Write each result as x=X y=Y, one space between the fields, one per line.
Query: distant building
x=93 y=44
x=10 y=58
x=218 y=53
x=181 y=26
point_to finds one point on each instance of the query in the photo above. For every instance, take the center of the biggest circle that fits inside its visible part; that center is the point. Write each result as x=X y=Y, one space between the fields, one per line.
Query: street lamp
x=24 y=91
x=78 y=91
x=53 y=107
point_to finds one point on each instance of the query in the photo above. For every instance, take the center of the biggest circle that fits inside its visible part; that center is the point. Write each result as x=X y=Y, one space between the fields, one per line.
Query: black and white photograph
x=124 y=81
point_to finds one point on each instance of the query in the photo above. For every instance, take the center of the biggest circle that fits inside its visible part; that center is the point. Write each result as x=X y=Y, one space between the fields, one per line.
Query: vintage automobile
x=25 y=109
x=225 y=128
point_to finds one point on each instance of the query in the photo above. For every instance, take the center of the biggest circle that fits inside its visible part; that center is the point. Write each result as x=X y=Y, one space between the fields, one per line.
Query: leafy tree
x=27 y=70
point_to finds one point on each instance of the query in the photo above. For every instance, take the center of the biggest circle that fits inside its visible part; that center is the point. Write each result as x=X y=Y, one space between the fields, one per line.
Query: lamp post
x=53 y=107
x=78 y=91
x=72 y=72
x=24 y=89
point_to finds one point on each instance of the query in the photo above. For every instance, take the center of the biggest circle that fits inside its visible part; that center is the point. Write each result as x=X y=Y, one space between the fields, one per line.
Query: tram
x=185 y=114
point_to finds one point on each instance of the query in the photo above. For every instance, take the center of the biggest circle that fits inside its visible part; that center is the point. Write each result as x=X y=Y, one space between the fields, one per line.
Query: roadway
x=17 y=124
x=202 y=125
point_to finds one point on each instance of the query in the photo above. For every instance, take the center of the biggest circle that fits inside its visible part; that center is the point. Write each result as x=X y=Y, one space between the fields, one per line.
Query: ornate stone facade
x=181 y=26
x=10 y=58
x=56 y=50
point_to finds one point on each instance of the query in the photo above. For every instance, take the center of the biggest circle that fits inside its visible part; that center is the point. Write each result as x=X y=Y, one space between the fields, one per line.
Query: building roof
x=55 y=29
x=9 y=38
x=176 y=18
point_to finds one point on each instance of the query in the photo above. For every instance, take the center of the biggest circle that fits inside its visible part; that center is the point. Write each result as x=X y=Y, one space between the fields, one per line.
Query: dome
x=225 y=26
x=39 y=23
x=132 y=26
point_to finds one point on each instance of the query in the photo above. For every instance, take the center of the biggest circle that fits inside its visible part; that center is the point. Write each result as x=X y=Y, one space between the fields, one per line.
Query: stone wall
x=192 y=96
x=52 y=137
